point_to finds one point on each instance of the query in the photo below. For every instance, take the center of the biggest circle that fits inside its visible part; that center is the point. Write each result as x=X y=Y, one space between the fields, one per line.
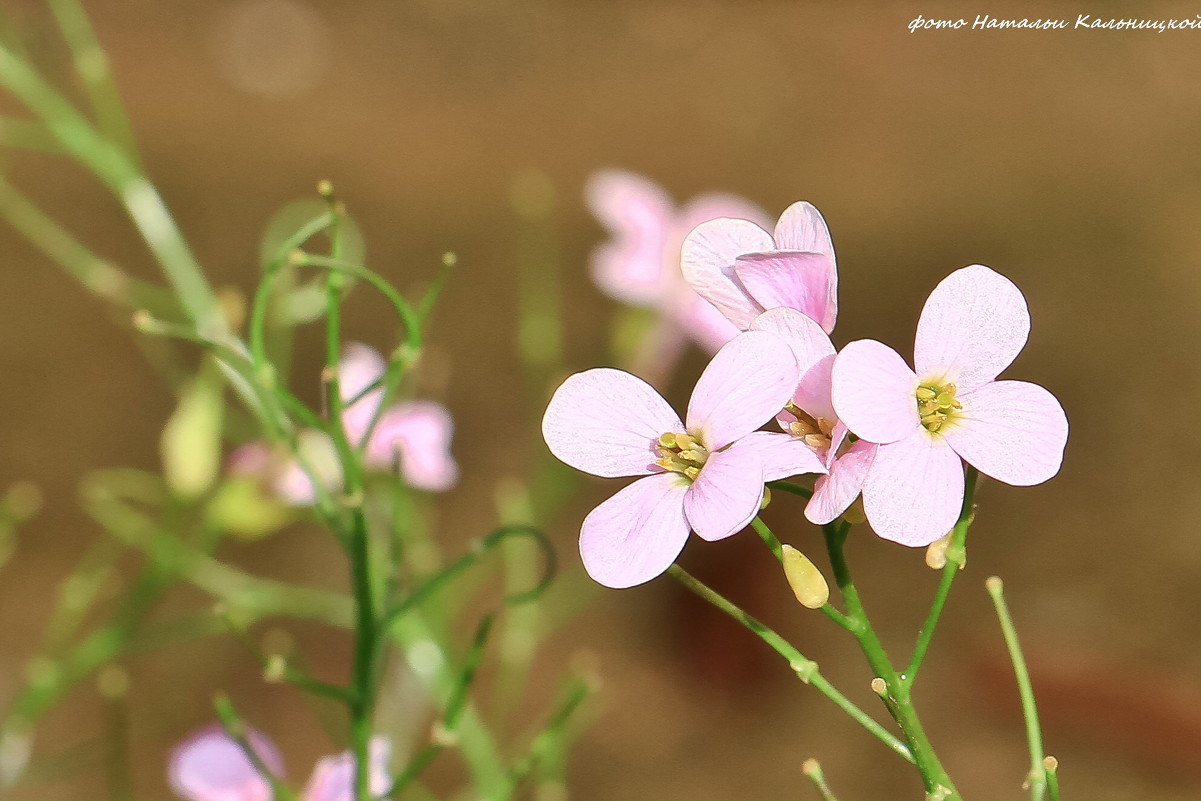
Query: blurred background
x=1066 y=160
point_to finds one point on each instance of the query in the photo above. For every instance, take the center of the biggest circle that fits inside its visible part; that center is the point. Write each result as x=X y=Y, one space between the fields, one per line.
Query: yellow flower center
x=816 y=431
x=681 y=453
x=936 y=404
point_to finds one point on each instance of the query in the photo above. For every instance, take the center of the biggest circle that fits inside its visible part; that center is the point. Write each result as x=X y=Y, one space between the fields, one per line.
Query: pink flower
x=640 y=265
x=706 y=475
x=211 y=766
x=743 y=270
x=810 y=415
x=952 y=408
x=419 y=430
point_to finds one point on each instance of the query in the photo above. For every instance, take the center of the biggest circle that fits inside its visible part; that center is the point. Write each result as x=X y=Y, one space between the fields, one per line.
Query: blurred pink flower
x=743 y=270
x=210 y=766
x=811 y=418
x=419 y=430
x=952 y=409
x=706 y=476
x=640 y=265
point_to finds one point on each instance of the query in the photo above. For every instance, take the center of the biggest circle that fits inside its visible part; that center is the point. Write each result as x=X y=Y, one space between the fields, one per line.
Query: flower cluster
x=861 y=420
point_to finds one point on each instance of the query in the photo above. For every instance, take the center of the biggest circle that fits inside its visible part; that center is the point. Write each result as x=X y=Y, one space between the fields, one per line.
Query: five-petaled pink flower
x=973 y=326
x=640 y=265
x=743 y=270
x=706 y=475
x=210 y=766
x=810 y=415
x=419 y=432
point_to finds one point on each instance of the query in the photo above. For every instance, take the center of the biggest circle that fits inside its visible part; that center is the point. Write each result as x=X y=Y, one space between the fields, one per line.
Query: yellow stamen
x=681 y=453
x=936 y=405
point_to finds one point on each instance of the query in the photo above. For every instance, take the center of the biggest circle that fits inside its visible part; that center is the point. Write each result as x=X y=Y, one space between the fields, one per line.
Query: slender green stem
x=549 y=737
x=769 y=539
x=429 y=658
x=363 y=673
x=96 y=275
x=407 y=316
x=449 y=260
x=236 y=729
x=1051 y=764
x=120 y=173
x=955 y=560
x=813 y=770
x=793 y=489
x=92 y=67
x=262 y=294
x=805 y=669
x=412 y=770
x=424 y=648
x=363 y=684
x=478 y=551
x=332 y=384
x=1038 y=773
x=276 y=668
x=896 y=694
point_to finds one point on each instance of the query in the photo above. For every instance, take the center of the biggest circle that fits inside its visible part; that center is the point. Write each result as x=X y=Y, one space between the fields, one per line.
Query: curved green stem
x=262 y=293
x=1037 y=778
x=805 y=669
x=407 y=316
x=955 y=560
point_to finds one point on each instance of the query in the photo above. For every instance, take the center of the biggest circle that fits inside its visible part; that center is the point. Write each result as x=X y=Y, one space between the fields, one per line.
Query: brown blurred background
x=1067 y=160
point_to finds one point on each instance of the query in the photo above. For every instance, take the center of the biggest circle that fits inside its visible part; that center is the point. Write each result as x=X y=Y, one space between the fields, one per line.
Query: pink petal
x=606 y=422
x=973 y=326
x=782 y=455
x=707 y=260
x=874 y=392
x=333 y=777
x=746 y=383
x=210 y=766
x=834 y=494
x=801 y=227
x=914 y=489
x=795 y=279
x=636 y=535
x=252 y=459
x=726 y=494
x=422 y=431
x=837 y=437
x=634 y=266
x=1013 y=431
x=809 y=342
x=358 y=369
x=814 y=393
